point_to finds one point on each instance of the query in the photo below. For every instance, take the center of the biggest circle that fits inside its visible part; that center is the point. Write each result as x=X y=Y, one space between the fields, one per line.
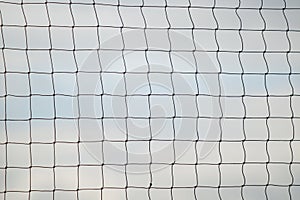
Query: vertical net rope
x=117 y=99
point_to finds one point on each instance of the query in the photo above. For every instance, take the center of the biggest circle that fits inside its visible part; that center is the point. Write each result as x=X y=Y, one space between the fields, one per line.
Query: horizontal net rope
x=115 y=99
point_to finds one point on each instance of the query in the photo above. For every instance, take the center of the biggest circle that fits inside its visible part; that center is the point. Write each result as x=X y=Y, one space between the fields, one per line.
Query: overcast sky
x=204 y=86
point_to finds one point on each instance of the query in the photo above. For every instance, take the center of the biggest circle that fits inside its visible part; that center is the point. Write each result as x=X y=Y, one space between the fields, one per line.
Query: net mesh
x=115 y=99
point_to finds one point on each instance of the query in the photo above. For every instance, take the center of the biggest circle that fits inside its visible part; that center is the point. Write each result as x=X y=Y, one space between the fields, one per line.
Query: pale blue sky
x=101 y=107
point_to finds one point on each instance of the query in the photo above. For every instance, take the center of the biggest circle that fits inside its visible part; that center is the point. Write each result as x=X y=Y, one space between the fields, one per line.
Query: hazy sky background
x=72 y=96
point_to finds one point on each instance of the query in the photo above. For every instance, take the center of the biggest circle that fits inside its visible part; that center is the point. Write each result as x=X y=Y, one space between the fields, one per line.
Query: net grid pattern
x=191 y=187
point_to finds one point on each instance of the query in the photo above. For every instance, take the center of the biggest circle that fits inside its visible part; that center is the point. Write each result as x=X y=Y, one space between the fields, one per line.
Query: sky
x=151 y=84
